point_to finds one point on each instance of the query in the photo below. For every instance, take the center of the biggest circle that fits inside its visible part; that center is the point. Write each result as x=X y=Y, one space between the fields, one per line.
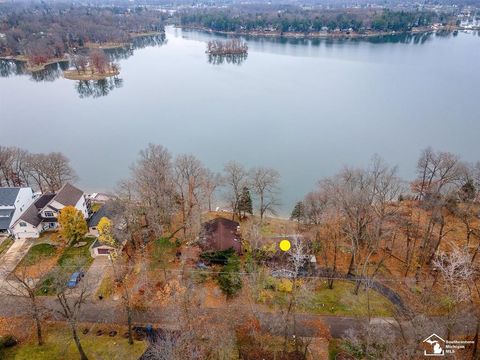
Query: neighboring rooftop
x=68 y=195
x=8 y=195
x=43 y=200
x=220 y=234
x=95 y=219
x=30 y=216
x=5 y=218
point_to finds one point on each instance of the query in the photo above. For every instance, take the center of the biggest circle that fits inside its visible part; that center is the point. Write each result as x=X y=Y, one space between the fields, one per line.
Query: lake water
x=306 y=108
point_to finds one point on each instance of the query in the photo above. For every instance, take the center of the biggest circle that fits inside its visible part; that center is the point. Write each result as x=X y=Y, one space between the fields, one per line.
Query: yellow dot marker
x=285 y=245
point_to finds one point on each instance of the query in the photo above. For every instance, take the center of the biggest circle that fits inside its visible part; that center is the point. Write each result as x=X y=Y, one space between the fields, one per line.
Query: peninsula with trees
x=40 y=34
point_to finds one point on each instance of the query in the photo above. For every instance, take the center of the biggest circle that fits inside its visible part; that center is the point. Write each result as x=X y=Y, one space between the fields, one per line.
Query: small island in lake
x=231 y=47
x=96 y=66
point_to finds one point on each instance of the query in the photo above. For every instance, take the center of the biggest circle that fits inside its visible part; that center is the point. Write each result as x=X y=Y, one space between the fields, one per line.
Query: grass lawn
x=70 y=256
x=338 y=301
x=38 y=253
x=163 y=252
x=77 y=254
x=60 y=345
x=5 y=245
x=107 y=287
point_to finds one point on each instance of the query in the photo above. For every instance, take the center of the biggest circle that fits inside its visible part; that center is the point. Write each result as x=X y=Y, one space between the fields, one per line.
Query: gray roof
x=97 y=243
x=5 y=218
x=30 y=216
x=43 y=200
x=68 y=195
x=8 y=196
x=6 y=212
x=100 y=213
x=5 y=223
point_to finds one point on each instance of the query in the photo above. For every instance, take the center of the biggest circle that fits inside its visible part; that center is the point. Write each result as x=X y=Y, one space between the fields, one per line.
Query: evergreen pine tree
x=229 y=278
x=298 y=212
x=245 y=202
x=468 y=191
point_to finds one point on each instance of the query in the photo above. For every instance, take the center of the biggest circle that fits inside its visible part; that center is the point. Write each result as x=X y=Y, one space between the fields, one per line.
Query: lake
x=305 y=108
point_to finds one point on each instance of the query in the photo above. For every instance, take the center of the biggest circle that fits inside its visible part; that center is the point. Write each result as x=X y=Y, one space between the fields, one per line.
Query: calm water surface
x=306 y=108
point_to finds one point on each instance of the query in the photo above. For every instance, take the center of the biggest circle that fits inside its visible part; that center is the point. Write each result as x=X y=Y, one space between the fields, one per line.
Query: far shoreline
x=322 y=34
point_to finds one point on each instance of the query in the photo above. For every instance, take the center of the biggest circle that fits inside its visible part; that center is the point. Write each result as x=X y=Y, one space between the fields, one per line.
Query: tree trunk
x=39 y=328
x=352 y=263
x=129 y=321
x=83 y=356
x=357 y=287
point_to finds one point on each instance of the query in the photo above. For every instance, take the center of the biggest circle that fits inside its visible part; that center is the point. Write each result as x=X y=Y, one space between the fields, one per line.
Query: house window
x=22 y=224
x=49 y=213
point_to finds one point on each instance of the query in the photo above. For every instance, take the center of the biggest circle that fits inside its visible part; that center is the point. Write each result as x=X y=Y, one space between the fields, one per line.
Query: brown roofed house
x=220 y=234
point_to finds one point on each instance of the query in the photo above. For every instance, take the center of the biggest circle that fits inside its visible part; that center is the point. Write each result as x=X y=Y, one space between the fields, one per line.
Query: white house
x=42 y=215
x=14 y=201
x=30 y=224
x=68 y=195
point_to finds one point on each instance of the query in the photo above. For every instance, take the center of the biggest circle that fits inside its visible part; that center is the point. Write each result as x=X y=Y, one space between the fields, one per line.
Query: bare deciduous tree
x=211 y=182
x=24 y=287
x=71 y=302
x=264 y=183
x=189 y=175
x=236 y=178
x=152 y=186
x=456 y=271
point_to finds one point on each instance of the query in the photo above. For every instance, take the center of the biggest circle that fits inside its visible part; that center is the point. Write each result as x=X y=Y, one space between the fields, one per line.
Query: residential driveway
x=12 y=257
x=96 y=272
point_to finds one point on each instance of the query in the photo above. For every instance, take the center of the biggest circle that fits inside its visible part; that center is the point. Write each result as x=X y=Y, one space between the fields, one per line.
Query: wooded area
x=295 y=19
x=42 y=32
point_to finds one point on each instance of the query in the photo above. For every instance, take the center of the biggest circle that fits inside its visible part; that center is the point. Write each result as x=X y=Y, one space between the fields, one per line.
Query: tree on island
x=99 y=61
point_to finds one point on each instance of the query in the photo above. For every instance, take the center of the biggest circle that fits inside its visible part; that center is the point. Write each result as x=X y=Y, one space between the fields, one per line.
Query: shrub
x=229 y=278
x=265 y=297
x=270 y=283
x=8 y=341
x=218 y=257
x=201 y=276
x=285 y=285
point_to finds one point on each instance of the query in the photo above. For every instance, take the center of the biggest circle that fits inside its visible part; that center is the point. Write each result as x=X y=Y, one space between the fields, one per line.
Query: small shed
x=220 y=234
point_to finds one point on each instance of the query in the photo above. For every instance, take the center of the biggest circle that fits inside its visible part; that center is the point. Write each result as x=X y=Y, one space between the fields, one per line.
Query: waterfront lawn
x=60 y=345
x=5 y=245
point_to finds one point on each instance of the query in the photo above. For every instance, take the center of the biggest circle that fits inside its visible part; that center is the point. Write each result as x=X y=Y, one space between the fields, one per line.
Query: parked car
x=75 y=279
